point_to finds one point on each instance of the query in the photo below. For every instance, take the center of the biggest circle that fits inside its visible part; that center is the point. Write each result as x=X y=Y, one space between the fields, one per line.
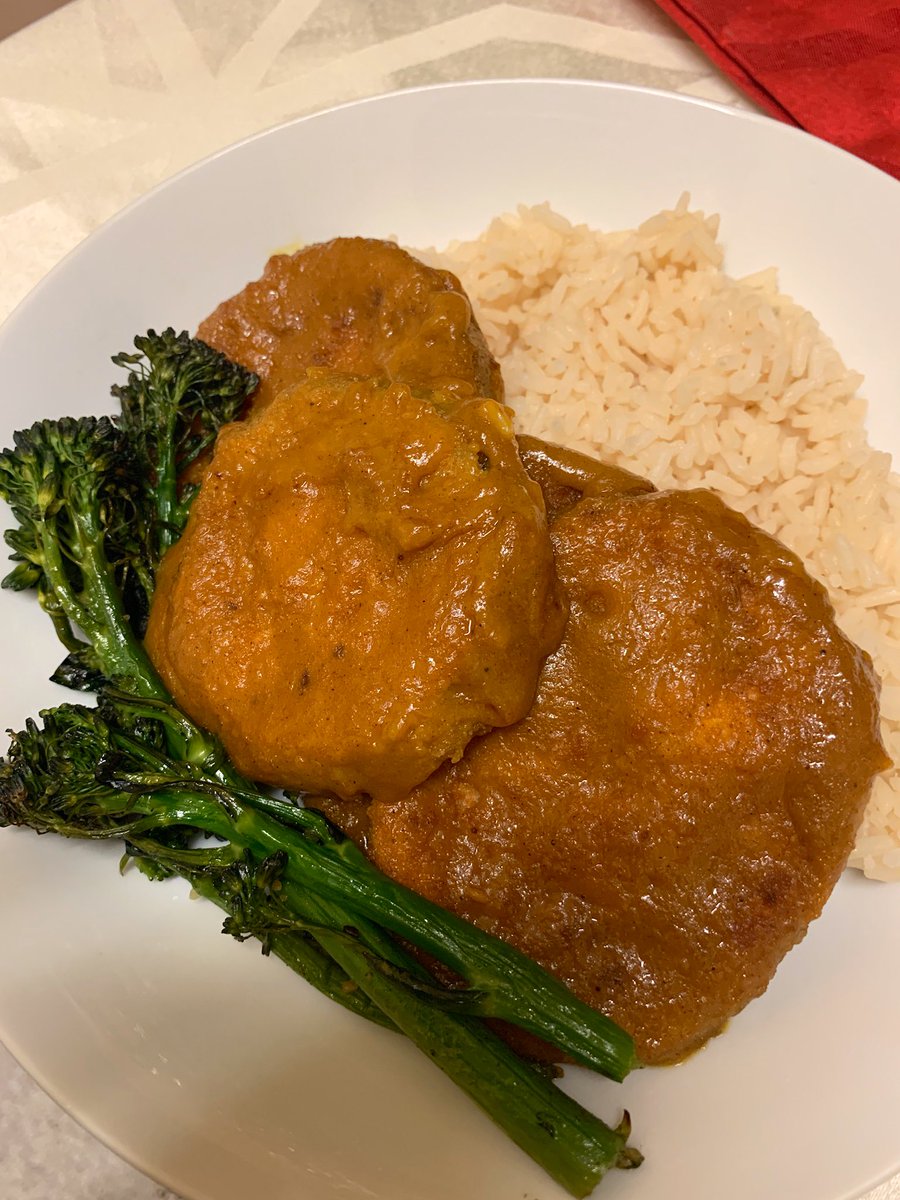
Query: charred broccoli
x=97 y=502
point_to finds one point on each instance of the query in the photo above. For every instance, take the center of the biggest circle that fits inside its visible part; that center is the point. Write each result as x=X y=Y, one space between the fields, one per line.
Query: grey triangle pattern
x=105 y=98
x=503 y=58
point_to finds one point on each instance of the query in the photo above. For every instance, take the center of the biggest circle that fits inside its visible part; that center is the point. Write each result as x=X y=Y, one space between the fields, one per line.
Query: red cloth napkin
x=830 y=66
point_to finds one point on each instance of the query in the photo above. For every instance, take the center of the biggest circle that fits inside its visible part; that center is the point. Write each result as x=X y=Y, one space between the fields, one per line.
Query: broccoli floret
x=98 y=502
x=74 y=488
x=178 y=395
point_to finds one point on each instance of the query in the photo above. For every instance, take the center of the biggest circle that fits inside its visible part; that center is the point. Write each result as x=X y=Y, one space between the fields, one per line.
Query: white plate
x=222 y=1074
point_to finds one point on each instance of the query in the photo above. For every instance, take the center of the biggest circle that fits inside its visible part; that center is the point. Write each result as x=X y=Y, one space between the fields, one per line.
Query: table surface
x=102 y=99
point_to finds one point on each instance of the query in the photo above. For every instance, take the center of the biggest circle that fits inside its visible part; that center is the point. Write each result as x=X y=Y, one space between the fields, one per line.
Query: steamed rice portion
x=635 y=346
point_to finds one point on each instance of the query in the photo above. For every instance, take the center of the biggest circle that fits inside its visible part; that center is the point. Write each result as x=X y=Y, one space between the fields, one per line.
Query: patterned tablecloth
x=105 y=98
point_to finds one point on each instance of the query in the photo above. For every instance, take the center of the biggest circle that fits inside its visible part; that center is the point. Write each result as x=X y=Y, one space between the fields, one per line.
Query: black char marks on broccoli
x=178 y=395
x=98 y=499
x=81 y=541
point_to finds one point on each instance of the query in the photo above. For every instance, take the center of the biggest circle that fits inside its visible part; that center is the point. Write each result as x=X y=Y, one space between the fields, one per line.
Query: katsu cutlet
x=679 y=802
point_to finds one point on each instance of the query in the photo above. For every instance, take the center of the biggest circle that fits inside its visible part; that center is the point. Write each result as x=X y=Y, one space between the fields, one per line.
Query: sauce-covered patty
x=678 y=804
x=365 y=581
x=358 y=306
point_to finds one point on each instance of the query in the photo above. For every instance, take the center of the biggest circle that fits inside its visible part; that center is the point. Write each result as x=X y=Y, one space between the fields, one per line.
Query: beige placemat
x=105 y=98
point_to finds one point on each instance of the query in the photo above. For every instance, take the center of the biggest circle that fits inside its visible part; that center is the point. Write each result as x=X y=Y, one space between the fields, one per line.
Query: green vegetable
x=178 y=395
x=80 y=541
x=96 y=503
x=104 y=773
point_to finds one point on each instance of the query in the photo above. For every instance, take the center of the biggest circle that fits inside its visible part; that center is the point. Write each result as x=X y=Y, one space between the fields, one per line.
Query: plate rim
x=754 y=118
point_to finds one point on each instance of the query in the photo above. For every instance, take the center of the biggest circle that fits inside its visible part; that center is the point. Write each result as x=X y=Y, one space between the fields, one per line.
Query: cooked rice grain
x=635 y=346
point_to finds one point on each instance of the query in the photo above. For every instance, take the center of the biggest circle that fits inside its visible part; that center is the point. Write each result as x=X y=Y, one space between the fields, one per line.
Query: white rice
x=634 y=345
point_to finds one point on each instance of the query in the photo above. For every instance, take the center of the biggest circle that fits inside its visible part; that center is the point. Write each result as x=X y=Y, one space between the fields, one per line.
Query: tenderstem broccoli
x=178 y=394
x=97 y=501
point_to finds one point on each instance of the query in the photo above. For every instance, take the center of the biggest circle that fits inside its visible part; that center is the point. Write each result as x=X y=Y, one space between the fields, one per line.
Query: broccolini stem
x=49 y=602
x=321 y=864
x=514 y=988
x=166 y=489
x=86 y=776
x=112 y=637
x=323 y=861
x=304 y=956
x=100 y=613
x=572 y=1145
